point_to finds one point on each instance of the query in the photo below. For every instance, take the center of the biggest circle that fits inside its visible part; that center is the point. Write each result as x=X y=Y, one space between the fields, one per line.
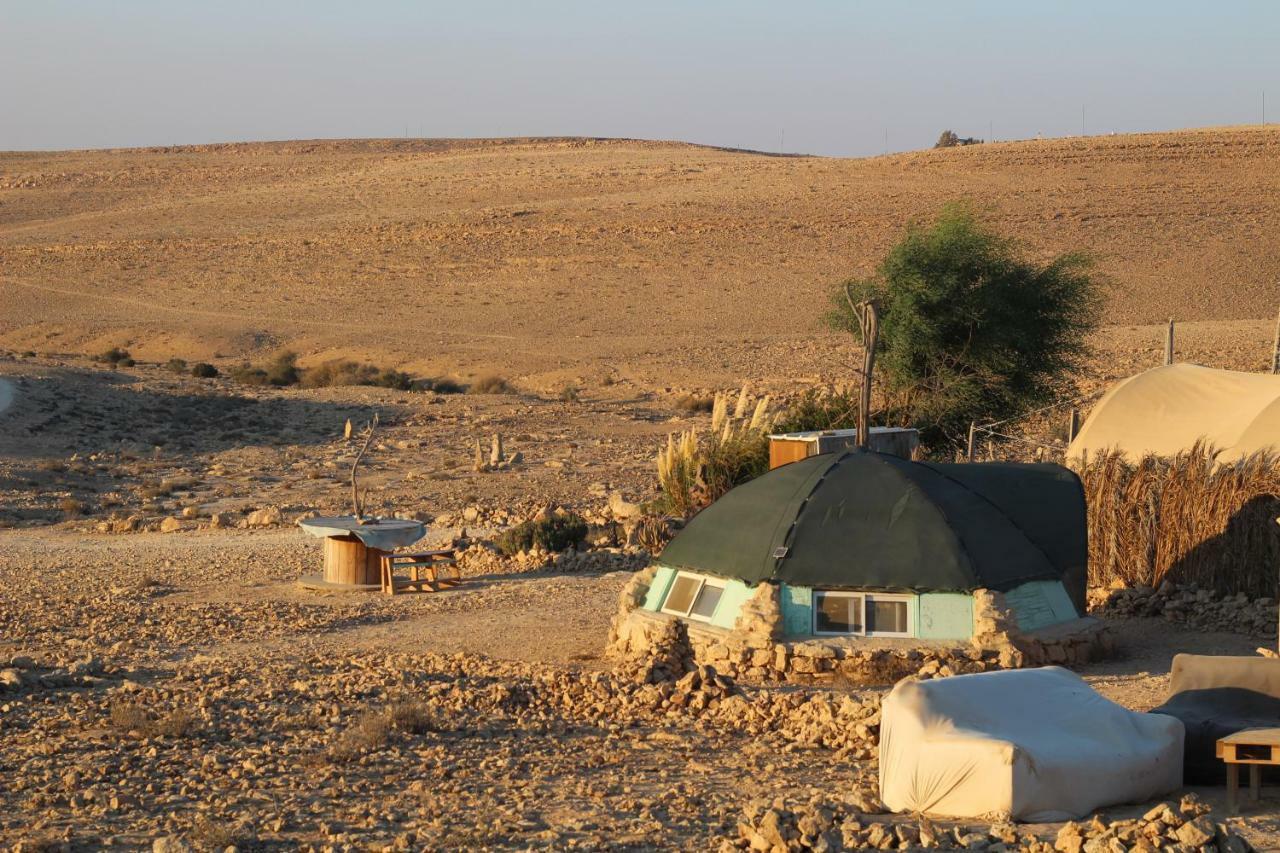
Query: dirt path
x=6 y=395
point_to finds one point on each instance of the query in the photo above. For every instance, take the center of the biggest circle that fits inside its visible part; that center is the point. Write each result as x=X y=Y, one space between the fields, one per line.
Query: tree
x=970 y=328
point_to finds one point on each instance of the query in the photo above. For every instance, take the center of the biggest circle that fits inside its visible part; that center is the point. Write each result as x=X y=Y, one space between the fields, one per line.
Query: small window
x=837 y=613
x=867 y=614
x=704 y=606
x=693 y=597
x=683 y=589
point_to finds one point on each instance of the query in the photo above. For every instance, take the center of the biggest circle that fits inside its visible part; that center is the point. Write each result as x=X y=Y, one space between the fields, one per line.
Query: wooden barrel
x=348 y=561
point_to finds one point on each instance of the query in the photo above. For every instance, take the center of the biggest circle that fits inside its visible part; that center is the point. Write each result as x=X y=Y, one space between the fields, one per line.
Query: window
x=867 y=614
x=693 y=596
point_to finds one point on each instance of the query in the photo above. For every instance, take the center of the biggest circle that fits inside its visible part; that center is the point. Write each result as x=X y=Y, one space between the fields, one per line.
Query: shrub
x=72 y=507
x=491 y=385
x=439 y=385
x=694 y=403
x=552 y=533
x=342 y=372
x=176 y=365
x=370 y=733
x=413 y=718
x=820 y=410
x=949 y=139
x=970 y=328
x=115 y=357
x=693 y=472
x=569 y=394
x=204 y=370
x=283 y=369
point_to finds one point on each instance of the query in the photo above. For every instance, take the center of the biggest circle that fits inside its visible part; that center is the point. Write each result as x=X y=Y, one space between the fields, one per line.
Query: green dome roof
x=864 y=520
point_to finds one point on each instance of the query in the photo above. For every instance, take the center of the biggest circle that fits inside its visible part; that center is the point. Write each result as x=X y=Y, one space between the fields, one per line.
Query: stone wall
x=755 y=650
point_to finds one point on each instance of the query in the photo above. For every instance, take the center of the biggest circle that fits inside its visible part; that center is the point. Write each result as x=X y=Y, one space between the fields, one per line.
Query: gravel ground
x=210 y=699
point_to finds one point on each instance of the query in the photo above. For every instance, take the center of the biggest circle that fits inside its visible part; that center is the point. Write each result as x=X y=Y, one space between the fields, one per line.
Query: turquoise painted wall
x=734 y=596
x=797 y=610
x=944 y=616
x=658 y=589
x=1038 y=604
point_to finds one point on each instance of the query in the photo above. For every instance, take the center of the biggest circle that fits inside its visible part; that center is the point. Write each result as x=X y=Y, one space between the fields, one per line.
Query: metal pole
x=1168 y=343
x=1073 y=426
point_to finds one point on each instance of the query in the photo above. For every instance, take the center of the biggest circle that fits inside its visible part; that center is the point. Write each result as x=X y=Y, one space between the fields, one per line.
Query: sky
x=832 y=77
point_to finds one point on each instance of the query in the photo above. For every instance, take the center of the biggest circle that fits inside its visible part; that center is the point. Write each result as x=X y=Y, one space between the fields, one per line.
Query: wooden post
x=357 y=506
x=868 y=314
x=973 y=434
x=1073 y=425
x=1275 y=348
x=1168 y=343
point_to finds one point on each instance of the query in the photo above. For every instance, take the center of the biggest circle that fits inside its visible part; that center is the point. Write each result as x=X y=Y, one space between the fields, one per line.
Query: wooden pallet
x=1254 y=748
x=424 y=567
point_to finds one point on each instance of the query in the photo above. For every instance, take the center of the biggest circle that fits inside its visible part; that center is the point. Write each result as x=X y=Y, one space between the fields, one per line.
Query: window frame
x=703 y=582
x=867 y=598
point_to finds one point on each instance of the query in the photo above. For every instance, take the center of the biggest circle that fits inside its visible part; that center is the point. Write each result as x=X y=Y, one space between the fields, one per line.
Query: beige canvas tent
x=1166 y=409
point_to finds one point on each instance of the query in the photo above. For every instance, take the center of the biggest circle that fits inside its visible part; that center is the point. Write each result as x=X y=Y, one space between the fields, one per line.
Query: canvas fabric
x=1033 y=745
x=864 y=520
x=1167 y=409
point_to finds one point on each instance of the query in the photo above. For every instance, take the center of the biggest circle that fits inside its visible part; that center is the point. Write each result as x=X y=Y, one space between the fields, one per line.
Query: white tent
x=1032 y=745
x=1166 y=409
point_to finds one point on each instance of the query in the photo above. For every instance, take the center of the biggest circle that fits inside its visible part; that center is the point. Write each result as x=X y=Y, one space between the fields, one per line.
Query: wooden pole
x=973 y=434
x=1073 y=425
x=1275 y=348
x=1168 y=343
x=868 y=314
x=356 y=506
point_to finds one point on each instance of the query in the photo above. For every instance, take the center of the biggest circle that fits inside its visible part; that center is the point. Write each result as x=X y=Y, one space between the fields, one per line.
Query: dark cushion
x=1214 y=713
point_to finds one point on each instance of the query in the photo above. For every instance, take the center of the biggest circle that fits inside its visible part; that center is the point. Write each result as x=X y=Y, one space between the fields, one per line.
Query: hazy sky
x=834 y=76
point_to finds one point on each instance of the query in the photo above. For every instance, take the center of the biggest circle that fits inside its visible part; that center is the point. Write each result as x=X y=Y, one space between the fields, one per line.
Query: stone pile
x=1190 y=605
x=23 y=675
x=824 y=826
x=480 y=559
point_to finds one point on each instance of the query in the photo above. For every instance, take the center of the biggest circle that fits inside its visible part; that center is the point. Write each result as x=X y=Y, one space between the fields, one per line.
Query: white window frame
x=867 y=597
x=693 y=599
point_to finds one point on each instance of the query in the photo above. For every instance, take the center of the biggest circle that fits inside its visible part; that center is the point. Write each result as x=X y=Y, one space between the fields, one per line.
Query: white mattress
x=1032 y=745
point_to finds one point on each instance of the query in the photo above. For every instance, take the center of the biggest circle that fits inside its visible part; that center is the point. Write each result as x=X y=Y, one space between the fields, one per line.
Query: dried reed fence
x=1185 y=518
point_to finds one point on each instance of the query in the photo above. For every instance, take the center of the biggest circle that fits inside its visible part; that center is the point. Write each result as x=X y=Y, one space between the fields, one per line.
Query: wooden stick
x=1168 y=343
x=355 y=465
x=1073 y=425
x=1275 y=348
x=973 y=435
x=869 y=320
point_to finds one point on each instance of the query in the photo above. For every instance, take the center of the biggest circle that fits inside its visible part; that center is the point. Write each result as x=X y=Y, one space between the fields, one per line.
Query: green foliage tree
x=971 y=328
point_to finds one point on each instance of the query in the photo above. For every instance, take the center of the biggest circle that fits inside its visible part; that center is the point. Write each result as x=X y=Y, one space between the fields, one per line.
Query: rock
x=265 y=517
x=170 y=525
x=217 y=521
x=170 y=844
x=190 y=512
x=1197 y=832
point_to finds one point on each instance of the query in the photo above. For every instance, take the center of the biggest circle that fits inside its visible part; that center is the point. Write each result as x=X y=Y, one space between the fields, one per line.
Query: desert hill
x=538 y=256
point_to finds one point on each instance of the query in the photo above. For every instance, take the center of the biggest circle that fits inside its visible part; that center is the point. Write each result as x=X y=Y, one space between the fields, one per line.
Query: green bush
x=553 y=533
x=971 y=328
x=280 y=371
x=204 y=370
x=816 y=410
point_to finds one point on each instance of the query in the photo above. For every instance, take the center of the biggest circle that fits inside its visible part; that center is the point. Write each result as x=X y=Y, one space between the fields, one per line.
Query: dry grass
x=371 y=732
x=491 y=385
x=130 y=717
x=1186 y=518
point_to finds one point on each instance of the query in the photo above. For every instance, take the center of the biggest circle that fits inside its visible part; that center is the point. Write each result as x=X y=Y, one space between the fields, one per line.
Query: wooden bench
x=1254 y=747
x=424 y=569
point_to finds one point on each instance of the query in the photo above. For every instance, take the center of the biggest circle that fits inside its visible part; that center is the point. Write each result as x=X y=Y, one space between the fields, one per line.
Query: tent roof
x=873 y=521
x=1167 y=409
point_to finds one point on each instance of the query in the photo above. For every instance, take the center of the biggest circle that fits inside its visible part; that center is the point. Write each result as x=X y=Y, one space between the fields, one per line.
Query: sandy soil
x=552 y=260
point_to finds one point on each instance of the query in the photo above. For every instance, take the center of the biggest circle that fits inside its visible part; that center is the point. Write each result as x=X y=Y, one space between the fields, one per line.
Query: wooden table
x=354 y=548
x=1254 y=747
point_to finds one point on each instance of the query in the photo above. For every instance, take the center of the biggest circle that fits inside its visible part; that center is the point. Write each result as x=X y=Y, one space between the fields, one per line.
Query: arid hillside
x=542 y=258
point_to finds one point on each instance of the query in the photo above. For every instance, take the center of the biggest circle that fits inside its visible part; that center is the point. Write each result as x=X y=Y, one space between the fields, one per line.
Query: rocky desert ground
x=164 y=683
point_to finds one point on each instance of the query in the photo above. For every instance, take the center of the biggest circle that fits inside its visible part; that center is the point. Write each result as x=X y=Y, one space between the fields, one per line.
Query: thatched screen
x=1184 y=518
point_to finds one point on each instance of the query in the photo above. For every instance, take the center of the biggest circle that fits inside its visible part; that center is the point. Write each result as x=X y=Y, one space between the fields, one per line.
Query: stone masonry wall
x=754 y=649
